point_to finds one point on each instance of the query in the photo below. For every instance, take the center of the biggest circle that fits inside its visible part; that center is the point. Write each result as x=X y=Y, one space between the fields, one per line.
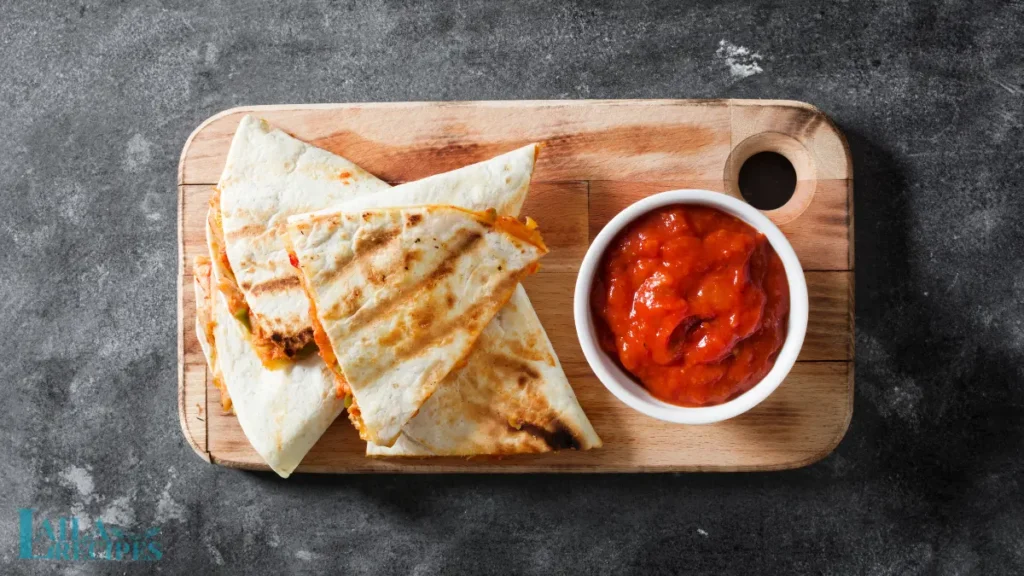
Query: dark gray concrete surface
x=97 y=98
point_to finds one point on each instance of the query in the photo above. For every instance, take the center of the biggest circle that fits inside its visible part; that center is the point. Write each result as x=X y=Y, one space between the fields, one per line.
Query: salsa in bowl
x=691 y=306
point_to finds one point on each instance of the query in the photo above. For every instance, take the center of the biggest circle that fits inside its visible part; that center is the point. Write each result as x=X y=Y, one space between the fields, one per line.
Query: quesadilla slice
x=269 y=176
x=520 y=403
x=512 y=397
x=282 y=412
x=399 y=296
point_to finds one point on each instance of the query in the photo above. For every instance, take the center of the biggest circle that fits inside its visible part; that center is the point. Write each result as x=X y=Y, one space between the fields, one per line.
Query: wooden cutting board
x=600 y=156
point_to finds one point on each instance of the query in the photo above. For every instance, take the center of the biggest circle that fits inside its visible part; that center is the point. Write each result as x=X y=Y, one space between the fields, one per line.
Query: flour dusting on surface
x=740 y=60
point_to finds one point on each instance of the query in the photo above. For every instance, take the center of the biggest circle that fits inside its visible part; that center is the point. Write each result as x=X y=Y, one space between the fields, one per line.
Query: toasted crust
x=399 y=326
x=512 y=397
x=268 y=176
x=282 y=412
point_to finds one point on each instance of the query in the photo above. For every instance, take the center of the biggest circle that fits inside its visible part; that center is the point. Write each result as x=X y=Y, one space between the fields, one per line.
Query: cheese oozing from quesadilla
x=269 y=176
x=401 y=295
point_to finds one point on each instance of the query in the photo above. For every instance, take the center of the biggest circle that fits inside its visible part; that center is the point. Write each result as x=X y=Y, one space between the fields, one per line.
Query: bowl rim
x=621 y=384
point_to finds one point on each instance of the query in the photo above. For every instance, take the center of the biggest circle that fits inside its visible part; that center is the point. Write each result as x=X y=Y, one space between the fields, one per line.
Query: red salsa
x=693 y=302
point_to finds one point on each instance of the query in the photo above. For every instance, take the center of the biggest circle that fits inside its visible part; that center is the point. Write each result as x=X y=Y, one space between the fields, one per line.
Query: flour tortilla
x=257 y=163
x=500 y=183
x=482 y=408
x=269 y=176
x=402 y=295
x=282 y=412
x=512 y=397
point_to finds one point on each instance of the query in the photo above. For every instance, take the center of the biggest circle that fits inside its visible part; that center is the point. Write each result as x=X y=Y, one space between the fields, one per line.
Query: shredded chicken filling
x=271 y=355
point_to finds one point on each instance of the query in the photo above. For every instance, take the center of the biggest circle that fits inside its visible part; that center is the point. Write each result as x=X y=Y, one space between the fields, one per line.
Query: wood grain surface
x=599 y=157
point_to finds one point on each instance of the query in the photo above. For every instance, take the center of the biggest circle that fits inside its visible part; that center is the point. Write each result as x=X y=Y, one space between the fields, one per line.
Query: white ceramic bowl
x=624 y=386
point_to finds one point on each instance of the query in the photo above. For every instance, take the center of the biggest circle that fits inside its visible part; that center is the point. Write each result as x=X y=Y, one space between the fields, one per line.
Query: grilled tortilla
x=268 y=176
x=512 y=397
x=399 y=296
x=282 y=412
x=502 y=181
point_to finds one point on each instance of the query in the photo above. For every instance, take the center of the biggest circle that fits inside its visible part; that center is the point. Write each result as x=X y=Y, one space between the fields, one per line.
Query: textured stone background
x=97 y=98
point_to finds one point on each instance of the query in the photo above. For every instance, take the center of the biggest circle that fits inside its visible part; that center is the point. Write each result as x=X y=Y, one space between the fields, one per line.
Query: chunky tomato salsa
x=693 y=302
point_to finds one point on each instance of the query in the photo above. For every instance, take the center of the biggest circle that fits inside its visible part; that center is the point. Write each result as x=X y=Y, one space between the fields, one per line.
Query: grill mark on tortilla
x=364 y=248
x=560 y=438
x=277 y=285
x=371 y=242
x=247 y=231
x=422 y=317
x=421 y=337
x=345 y=305
x=508 y=363
x=410 y=342
x=410 y=257
x=530 y=348
x=393 y=337
x=266 y=339
x=463 y=245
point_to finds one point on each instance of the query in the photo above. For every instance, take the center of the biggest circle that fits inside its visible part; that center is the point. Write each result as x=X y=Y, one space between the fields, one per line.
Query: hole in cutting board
x=767 y=180
x=793 y=197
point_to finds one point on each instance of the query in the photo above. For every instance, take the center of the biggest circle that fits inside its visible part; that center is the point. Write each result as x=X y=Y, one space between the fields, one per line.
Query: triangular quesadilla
x=269 y=176
x=464 y=416
x=399 y=296
x=282 y=412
